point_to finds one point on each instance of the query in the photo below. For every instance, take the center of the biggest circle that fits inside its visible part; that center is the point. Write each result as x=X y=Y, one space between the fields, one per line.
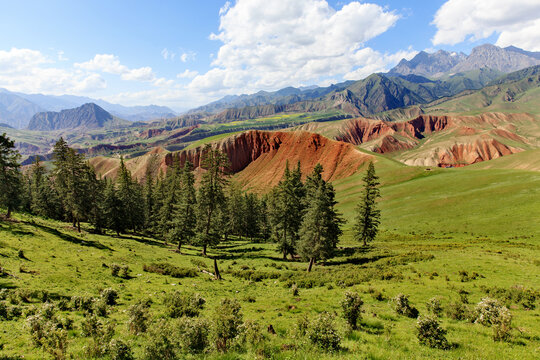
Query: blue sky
x=186 y=53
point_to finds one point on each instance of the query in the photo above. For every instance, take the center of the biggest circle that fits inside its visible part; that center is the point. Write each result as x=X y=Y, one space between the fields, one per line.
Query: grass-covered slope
x=435 y=224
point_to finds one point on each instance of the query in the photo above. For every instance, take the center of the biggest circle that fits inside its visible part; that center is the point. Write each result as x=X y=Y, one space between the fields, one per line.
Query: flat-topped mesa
x=259 y=157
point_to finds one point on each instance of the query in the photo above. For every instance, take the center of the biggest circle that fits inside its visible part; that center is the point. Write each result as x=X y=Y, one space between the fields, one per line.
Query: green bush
x=227 y=321
x=110 y=296
x=119 y=350
x=82 y=303
x=47 y=332
x=351 y=305
x=194 y=334
x=100 y=333
x=490 y=312
x=171 y=270
x=184 y=304
x=138 y=318
x=434 y=306
x=403 y=307
x=294 y=290
x=457 y=311
x=323 y=333
x=160 y=344
x=251 y=334
x=430 y=333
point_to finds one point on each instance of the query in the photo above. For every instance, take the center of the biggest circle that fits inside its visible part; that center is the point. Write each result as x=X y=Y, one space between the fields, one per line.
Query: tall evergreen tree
x=44 y=200
x=10 y=175
x=184 y=217
x=286 y=207
x=130 y=194
x=321 y=224
x=367 y=214
x=113 y=209
x=251 y=217
x=210 y=196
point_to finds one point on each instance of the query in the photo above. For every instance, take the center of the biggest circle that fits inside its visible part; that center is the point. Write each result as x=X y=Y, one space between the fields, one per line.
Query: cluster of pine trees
x=300 y=216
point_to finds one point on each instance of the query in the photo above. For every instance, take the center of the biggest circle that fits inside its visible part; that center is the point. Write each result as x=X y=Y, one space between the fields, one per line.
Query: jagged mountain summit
x=87 y=116
x=485 y=56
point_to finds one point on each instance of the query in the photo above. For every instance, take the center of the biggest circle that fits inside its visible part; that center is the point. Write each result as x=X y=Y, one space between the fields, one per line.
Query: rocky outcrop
x=470 y=153
x=89 y=116
x=258 y=158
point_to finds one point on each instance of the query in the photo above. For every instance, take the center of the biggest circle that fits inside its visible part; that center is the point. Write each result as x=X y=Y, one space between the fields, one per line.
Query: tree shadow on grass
x=142 y=240
x=72 y=239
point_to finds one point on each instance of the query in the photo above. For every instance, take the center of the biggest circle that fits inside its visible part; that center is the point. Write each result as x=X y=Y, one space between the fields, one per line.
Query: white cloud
x=187 y=56
x=267 y=45
x=109 y=63
x=517 y=22
x=30 y=71
x=187 y=74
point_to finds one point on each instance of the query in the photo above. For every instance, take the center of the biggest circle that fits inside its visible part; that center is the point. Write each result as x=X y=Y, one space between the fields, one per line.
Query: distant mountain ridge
x=87 y=116
x=16 y=109
x=442 y=63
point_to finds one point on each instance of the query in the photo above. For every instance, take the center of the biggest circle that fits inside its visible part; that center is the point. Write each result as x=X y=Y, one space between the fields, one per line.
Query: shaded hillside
x=16 y=111
x=89 y=116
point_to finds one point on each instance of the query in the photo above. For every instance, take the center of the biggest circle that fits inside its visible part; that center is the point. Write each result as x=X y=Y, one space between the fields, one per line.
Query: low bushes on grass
x=227 y=321
x=171 y=270
x=184 y=304
x=457 y=311
x=194 y=334
x=489 y=312
x=430 y=333
x=434 y=306
x=351 y=305
x=138 y=318
x=403 y=307
x=322 y=332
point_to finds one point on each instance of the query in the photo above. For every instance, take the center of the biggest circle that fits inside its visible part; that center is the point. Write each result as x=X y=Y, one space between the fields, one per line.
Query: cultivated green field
x=435 y=224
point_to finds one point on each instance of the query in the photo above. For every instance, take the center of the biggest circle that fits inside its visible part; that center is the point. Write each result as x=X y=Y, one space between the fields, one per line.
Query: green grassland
x=435 y=223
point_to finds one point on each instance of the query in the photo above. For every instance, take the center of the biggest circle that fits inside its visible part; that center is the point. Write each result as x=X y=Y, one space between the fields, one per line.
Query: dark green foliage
x=514 y=295
x=457 y=311
x=403 y=307
x=130 y=195
x=431 y=334
x=119 y=350
x=434 y=306
x=171 y=270
x=351 y=305
x=110 y=296
x=322 y=332
x=285 y=210
x=113 y=210
x=321 y=224
x=210 y=197
x=183 y=212
x=138 y=318
x=367 y=214
x=227 y=320
x=183 y=304
x=194 y=334
x=160 y=343
x=44 y=199
x=10 y=176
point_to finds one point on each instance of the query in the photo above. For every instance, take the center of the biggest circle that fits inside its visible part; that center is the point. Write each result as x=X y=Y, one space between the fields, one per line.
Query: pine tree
x=184 y=211
x=10 y=176
x=210 y=196
x=149 y=200
x=171 y=186
x=286 y=207
x=130 y=194
x=367 y=214
x=251 y=217
x=234 y=212
x=321 y=224
x=113 y=209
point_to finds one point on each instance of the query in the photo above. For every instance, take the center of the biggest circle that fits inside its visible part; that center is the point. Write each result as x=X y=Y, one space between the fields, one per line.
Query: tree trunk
x=78 y=226
x=179 y=245
x=284 y=254
x=365 y=242
x=216 y=270
x=8 y=215
x=311 y=261
x=204 y=250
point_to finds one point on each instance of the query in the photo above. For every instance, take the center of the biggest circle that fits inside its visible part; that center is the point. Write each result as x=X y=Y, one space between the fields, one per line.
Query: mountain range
x=16 y=109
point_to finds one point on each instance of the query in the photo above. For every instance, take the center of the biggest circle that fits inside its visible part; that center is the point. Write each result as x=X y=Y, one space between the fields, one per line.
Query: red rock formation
x=482 y=149
x=391 y=144
x=150 y=133
x=259 y=157
x=361 y=130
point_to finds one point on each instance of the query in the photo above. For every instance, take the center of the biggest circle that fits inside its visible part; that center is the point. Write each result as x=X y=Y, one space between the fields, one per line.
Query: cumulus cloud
x=187 y=56
x=109 y=63
x=517 y=22
x=187 y=74
x=30 y=71
x=271 y=45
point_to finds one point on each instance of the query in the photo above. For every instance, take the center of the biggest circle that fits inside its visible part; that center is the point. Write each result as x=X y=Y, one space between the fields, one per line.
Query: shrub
x=294 y=290
x=430 y=333
x=100 y=307
x=323 y=333
x=251 y=333
x=490 y=312
x=171 y=270
x=351 y=306
x=119 y=270
x=82 y=303
x=183 y=304
x=434 y=306
x=403 y=307
x=115 y=269
x=138 y=318
x=160 y=344
x=119 y=350
x=109 y=296
x=47 y=333
x=227 y=321
x=194 y=338
x=302 y=325
x=100 y=334
x=457 y=311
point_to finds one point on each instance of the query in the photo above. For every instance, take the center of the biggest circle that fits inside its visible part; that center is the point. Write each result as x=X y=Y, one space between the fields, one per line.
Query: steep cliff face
x=480 y=150
x=258 y=158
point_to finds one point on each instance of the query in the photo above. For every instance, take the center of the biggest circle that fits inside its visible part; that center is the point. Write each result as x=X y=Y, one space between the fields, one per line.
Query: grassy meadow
x=456 y=234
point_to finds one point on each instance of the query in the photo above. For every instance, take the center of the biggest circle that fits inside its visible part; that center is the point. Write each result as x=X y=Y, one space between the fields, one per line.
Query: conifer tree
x=113 y=209
x=251 y=217
x=130 y=194
x=367 y=214
x=286 y=207
x=184 y=211
x=321 y=224
x=210 y=196
x=234 y=212
x=171 y=186
x=10 y=176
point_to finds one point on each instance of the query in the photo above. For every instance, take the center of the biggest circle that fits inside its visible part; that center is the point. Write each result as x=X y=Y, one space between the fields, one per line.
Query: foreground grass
x=65 y=263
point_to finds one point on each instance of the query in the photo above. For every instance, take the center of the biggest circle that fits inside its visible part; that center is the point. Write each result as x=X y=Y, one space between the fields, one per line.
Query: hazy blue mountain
x=16 y=111
x=87 y=116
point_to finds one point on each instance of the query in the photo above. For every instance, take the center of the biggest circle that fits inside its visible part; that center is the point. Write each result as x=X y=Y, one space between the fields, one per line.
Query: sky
x=183 y=54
